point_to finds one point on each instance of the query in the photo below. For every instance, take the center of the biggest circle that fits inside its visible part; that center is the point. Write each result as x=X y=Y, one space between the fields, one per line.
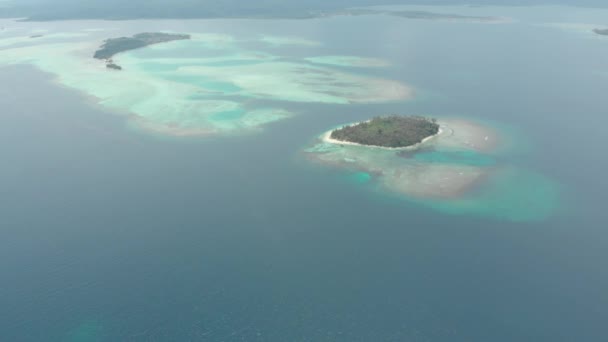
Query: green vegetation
x=603 y=32
x=116 y=45
x=390 y=131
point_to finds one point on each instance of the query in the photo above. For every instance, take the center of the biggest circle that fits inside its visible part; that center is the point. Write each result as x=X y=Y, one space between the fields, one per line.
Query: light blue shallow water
x=110 y=235
x=455 y=157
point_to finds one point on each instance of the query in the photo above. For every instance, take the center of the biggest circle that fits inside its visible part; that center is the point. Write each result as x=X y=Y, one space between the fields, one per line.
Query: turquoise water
x=360 y=177
x=233 y=63
x=211 y=85
x=114 y=235
x=228 y=115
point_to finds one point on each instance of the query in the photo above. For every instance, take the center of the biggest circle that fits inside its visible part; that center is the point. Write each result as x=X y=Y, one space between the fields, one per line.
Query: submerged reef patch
x=349 y=61
x=458 y=171
x=207 y=84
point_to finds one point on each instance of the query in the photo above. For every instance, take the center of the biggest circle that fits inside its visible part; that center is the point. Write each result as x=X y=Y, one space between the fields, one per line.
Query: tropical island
x=461 y=171
x=459 y=158
x=388 y=131
x=113 y=46
x=603 y=32
x=111 y=65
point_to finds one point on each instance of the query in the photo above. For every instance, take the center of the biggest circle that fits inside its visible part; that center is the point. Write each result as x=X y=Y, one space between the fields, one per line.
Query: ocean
x=109 y=233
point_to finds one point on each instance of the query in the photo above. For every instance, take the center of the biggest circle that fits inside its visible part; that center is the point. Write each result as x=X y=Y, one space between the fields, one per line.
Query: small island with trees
x=111 y=65
x=112 y=46
x=603 y=32
x=393 y=131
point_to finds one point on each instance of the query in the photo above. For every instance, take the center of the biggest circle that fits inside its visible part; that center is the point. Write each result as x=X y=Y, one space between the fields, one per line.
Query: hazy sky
x=85 y=3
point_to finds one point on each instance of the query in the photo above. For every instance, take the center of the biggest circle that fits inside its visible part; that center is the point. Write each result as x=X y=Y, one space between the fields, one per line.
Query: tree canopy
x=388 y=131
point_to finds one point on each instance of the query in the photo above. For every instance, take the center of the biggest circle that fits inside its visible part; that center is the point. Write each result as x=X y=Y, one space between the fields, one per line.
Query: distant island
x=207 y=9
x=603 y=32
x=388 y=131
x=406 y=14
x=112 y=46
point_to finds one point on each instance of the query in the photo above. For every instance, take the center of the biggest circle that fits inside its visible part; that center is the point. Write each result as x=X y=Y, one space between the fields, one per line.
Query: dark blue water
x=110 y=235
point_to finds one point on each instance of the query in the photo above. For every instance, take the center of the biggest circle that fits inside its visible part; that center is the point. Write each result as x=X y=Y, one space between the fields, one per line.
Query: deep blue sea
x=107 y=234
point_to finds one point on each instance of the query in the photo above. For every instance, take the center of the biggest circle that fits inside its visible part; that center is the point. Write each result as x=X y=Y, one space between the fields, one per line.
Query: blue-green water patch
x=228 y=115
x=203 y=82
x=87 y=331
x=359 y=177
x=514 y=194
x=234 y=62
x=471 y=158
x=158 y=67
